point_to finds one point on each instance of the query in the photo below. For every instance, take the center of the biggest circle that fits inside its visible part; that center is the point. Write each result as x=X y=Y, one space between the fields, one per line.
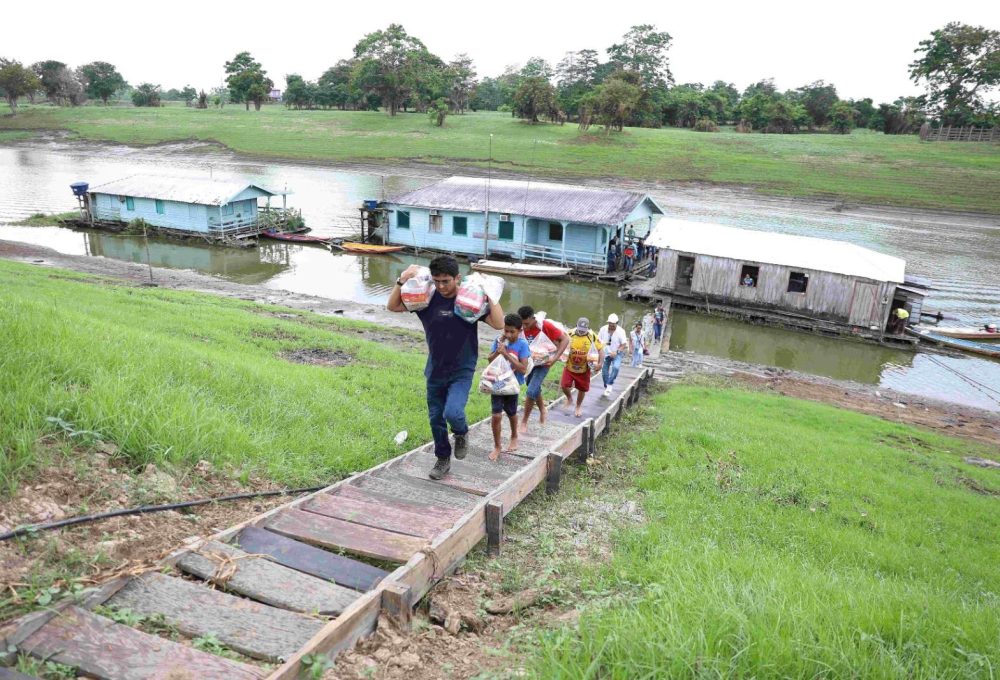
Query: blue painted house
x=559 y=223
x=215 y=209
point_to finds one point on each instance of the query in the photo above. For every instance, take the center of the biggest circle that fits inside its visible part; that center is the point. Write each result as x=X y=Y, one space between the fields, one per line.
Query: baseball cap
x=613 y=318
x=583 y=324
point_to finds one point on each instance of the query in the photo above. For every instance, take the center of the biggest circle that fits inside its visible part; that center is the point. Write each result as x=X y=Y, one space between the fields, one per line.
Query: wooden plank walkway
x=287 y=584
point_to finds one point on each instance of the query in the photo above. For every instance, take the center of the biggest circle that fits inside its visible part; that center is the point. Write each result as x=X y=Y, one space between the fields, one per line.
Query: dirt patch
x=317 y=356
x=977 y=486
x=273 y=334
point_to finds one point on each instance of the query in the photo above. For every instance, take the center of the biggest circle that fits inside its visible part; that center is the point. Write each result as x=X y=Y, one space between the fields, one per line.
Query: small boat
x=533 y=271
x=964 y=332
x=368 y=248
x=984 y=348
x=295 y=238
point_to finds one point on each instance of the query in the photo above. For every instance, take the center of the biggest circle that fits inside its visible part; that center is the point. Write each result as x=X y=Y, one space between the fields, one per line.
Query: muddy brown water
x=958 y=252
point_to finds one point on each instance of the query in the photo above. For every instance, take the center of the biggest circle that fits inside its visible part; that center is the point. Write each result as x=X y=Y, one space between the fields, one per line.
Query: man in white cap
x=613 y=338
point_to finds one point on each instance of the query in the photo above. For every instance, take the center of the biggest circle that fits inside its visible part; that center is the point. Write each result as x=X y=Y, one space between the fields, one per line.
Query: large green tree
x=16 y=81
x=247 y=81
x=383 y=65
x=643 y=50
x=100 y=80
x=818 y=98
x=613 y=102
x=461 y=75
x=146 y=94
x=535 y=97
x=958 y=64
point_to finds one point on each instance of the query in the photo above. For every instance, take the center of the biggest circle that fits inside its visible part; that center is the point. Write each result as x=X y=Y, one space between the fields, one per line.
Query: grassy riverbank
x=173 y=378
x=790 y=539
x=864 y=166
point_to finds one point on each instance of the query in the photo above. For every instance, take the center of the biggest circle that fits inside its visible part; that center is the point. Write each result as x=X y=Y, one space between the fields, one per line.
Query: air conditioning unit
x=505 y=217
x=434 y=212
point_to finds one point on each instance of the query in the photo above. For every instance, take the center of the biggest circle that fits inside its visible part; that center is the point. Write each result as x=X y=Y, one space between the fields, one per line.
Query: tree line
x=631 y=86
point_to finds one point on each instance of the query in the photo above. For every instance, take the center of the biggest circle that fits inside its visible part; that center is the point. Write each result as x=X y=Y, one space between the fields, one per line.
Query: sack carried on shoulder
x=474 y=293
x=498 y=378
x=416 y=292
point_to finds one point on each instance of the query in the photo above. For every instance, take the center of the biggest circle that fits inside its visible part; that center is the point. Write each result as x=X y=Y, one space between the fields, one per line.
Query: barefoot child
x=515 y=349
x=530 y=328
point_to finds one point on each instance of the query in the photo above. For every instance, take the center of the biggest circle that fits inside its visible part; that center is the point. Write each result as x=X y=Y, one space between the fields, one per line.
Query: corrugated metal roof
x=544 y=200
x=818 y=254
x=182 y=189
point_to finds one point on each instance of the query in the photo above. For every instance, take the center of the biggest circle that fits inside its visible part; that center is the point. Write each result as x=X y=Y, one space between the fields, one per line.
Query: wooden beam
x=396 y=604
x=494 y=528
x=553 y=472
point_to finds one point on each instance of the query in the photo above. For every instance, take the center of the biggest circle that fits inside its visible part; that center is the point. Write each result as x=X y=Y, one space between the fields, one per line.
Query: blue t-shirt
x=521 y=349
x=452 y=342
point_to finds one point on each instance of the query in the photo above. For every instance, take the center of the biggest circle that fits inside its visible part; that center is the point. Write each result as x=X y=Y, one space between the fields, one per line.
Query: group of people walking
x=453 y=347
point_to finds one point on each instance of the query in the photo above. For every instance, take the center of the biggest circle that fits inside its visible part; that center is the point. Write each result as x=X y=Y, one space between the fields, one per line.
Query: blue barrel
x=79 y=188
x=370 y=204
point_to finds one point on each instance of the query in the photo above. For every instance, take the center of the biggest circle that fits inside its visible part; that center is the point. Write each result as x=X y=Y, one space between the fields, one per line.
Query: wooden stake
x=396 y=604
x=554 y=471
x=494 y=528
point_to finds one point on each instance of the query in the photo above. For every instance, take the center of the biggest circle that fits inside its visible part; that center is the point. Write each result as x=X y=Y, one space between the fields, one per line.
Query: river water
x=959 y=255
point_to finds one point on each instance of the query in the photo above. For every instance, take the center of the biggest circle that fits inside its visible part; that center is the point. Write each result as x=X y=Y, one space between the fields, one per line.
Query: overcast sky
x=861 y=47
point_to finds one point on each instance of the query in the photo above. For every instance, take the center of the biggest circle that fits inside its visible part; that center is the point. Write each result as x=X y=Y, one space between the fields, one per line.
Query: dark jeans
x=446 y=399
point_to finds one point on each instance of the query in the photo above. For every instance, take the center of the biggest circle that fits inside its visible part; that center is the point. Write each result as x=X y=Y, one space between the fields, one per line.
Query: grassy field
x=863 y=167
x=173 y=377
x=791 y=539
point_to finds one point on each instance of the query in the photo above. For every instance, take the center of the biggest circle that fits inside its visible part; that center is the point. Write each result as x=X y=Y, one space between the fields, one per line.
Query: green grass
x=791 y=539
x=14 y=135
x=47 y=220
x=864 y=166
x=175 y=377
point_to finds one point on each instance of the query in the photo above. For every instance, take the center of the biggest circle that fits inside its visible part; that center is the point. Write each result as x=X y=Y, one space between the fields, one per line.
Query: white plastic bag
x=543 y=350
x=416 y=292
x=498 y=378
x=474 y=294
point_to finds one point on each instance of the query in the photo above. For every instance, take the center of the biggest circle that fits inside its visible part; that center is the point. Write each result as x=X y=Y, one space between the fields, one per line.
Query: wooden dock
x=287 y=584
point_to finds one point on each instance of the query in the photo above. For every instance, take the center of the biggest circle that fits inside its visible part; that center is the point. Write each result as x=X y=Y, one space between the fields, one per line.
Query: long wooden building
x=813 y=283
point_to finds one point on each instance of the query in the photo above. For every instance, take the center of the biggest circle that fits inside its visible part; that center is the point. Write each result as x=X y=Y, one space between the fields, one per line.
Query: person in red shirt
x=530 y=328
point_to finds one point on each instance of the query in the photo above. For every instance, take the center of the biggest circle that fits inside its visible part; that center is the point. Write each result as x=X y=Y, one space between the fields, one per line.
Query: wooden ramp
x=300 y=580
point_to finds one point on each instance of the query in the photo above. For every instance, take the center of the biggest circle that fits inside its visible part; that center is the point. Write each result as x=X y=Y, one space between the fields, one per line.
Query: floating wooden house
x=812 y=283
x=565 y=224
x=215 y=209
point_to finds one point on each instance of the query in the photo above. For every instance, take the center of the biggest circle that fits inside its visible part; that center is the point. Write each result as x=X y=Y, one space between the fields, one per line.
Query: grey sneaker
x=461 y=446
x=440 y=468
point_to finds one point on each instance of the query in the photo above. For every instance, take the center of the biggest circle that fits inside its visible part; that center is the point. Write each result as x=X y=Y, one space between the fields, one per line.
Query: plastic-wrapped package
x=416 y=292
x=474 y=294
x=498 y=378
x=543 y=350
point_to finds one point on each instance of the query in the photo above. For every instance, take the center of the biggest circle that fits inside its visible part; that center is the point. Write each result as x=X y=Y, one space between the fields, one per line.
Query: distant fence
x=959 y=134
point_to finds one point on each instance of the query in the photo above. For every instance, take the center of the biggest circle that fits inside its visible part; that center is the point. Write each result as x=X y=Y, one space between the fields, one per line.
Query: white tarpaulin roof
x=182 y=189
x=818 y=254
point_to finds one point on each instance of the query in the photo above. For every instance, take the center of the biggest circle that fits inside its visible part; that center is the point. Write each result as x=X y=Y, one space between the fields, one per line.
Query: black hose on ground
x=34 y=528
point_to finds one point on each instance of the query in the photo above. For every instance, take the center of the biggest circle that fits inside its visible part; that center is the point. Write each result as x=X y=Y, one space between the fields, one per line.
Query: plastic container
x=79 y=188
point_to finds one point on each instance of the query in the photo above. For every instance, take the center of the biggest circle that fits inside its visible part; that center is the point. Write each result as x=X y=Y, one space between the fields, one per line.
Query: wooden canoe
x=369 y=248
x=963 y=332
x=534 y=271
x=984 y=348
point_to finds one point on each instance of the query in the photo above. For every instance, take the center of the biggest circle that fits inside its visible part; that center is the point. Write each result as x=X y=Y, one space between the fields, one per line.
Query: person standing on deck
x=659 y=316
x=453 y=349
x=637 y=344
x=614 y=338
x=531 y=328
x=576 y=373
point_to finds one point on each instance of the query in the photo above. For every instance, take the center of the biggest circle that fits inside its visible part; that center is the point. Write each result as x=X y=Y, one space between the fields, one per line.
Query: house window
x=460 y=226
x=749 y=276
x=403 y=219
x=435 y=224
x=798 y=282
x=555 y=231
x=505 y=230
x=160 y=209
x=227 y=209
x=129 y=203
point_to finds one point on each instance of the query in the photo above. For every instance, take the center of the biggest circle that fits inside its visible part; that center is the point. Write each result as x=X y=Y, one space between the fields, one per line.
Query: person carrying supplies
x=516 y=351
x=613 y=337
x=531 y=330
x=453 y=349
x=583 y=346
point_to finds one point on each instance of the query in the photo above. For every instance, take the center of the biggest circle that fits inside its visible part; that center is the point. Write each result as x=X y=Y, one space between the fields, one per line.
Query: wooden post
x=587 y=432
x=592 y=438
x=396 y=604
x=494 y=528
x=554 y=471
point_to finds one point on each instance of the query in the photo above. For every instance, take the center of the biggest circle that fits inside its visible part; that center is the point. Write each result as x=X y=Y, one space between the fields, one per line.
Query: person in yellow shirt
x=899 y=317
x=583 y=344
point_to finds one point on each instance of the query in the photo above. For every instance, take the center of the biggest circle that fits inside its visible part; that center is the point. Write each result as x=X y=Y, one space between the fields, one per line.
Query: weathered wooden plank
x=494 y=528
x=369 y=495
x=265 y=581
x=465 y=478
x=397 y=605
x=381 y=515
x=553 y=472
x=336 y=533
x=104 y=649
x=257 y=630
x=421 y=490
x=315 y=561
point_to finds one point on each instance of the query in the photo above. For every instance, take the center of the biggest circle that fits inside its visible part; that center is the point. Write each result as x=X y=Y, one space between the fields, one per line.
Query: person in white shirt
x=615 y=343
